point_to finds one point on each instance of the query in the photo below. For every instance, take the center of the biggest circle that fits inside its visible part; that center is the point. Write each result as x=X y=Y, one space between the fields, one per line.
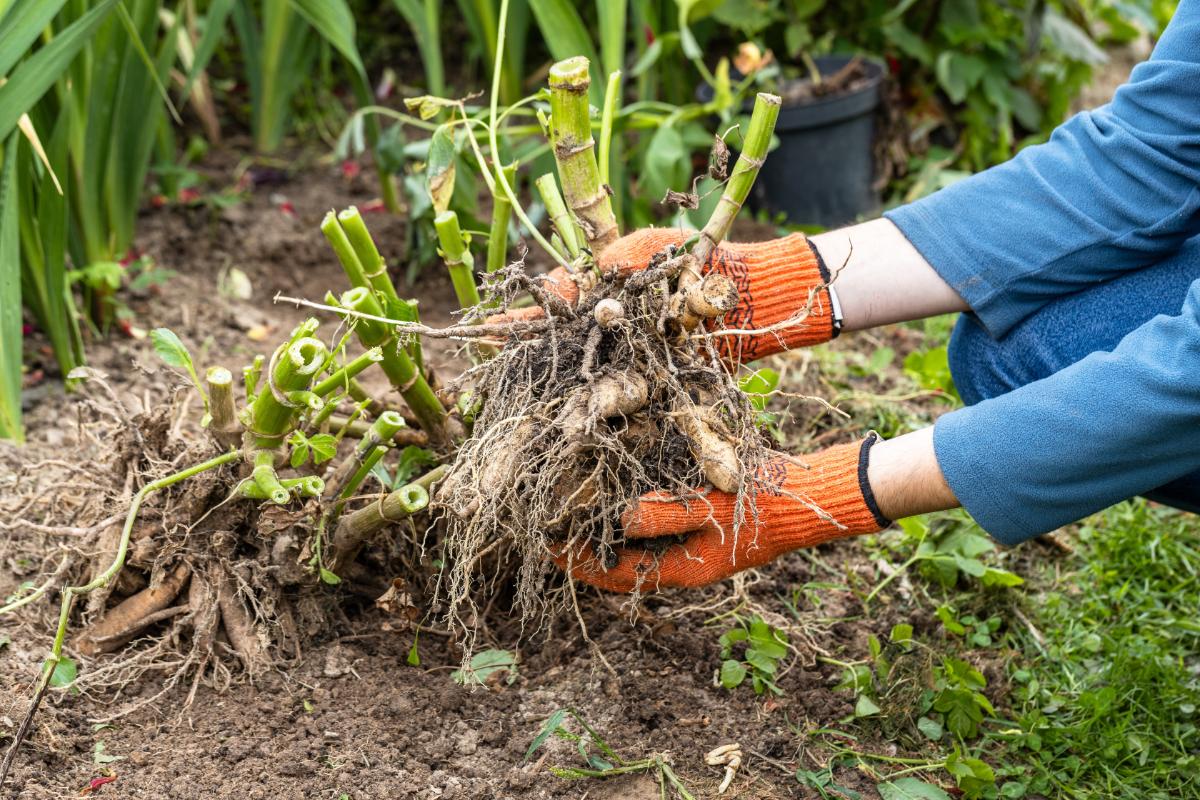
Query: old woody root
x=537 y=449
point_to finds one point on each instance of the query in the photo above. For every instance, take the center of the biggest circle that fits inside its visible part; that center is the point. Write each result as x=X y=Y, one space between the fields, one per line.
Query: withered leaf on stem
x=718 y=160
x=688 y=200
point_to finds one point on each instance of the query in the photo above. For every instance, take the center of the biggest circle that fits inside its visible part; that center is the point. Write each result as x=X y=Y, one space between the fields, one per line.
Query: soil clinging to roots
x=620 y=395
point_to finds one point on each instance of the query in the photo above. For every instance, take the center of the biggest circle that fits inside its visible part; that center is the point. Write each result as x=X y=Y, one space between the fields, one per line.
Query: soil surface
x=350 y=717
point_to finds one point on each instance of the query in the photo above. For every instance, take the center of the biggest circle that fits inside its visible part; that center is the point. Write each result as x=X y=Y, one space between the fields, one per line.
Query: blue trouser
x=1065 y=331
x=1096 y=367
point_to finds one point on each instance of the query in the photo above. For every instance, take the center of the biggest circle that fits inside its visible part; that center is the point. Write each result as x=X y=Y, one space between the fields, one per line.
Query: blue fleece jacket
x=1114 y=190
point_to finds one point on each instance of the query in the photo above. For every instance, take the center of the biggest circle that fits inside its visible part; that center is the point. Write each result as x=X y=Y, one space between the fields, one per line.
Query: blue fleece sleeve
x=1108 y=427
x=1113 y=190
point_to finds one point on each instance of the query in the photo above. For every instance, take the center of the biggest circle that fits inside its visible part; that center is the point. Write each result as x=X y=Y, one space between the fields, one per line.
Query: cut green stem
x=459 y=263
x=575 y=153
x=497 y=252
x=374 y=267
x=556 y=210
x=396 y=364
x=755 y=143
x=292 y=369
x=340 y=379
x=344 y=250
x=223 y=422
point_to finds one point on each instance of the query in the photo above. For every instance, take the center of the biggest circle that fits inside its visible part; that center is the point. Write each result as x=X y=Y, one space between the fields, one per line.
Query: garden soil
x=350 y=718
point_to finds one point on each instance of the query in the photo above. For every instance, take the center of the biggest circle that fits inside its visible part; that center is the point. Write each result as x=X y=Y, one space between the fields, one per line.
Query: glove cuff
x=831 y=499
x=783 y=292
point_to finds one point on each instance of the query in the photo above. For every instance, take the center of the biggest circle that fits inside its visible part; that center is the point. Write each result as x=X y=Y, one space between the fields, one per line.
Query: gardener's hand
x=782 y=286
x=799 y=504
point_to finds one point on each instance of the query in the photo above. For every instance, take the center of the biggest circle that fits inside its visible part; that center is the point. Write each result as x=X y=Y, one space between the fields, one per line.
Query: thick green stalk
x=556 y=210
x=755 y=143
x=308 y=486
x=357 y=527
x=362 y=472
x=293 y=368
x=344 y=250
x=364 y=266
x=223 y=423
x=455 y=253
x=385 y=426
x=497 y=252
x=266 y=479
x=372 y=262
x=340 y=378
x=575 y=152
x=397 y=365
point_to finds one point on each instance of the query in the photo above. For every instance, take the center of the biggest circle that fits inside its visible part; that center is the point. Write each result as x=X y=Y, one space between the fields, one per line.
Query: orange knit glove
x=797 y=507
x=776 y=280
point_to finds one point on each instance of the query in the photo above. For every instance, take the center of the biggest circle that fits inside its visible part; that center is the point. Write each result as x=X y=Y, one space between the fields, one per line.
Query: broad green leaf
x=439 y=169
x=35 y=75
x=949 y=622
x=170 y=349
x=666 y=165
x=732 y=673
x=324 y=447
x=549 y=727
x=930 y=728
x=411 y=461
x=901 y=633
x=1070 y=39
x=329 y=577
x=566 y=36
x=958 y=73
x=20 y=27
x=299 y=454
x=971 y=774
x=65 y=672
x=1000 y=577
x=10 y=296
x=334 y=20
x=910 y=789
x=485 y=664
x=758 y=386
x=414 y=655
x=865 y=707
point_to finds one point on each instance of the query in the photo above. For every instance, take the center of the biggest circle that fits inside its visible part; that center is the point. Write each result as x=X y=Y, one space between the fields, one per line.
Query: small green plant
x=487 y=666
x=762 y=647
x=946 y=548
x=599 y=760
x=930 y=369
x=758 y=386
x=320 y=446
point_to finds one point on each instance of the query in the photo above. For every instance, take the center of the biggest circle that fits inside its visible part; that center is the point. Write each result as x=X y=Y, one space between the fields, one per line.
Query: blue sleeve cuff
x=978 y=488
x=955 y=260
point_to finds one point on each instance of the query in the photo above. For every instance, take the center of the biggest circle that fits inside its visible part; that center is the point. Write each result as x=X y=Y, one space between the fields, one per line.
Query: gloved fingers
x=517 y=315
x=632 y=252
x=628 y=573
x=665 y=514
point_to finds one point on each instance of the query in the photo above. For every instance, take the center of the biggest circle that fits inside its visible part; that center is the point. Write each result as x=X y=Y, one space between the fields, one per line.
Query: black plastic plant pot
x=823 y=172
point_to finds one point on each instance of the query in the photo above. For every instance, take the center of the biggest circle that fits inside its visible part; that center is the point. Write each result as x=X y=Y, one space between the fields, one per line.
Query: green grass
x=1107 y=699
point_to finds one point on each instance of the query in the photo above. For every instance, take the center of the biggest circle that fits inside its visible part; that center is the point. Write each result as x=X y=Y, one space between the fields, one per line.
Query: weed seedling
x=600 y=760
x=765 y=647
